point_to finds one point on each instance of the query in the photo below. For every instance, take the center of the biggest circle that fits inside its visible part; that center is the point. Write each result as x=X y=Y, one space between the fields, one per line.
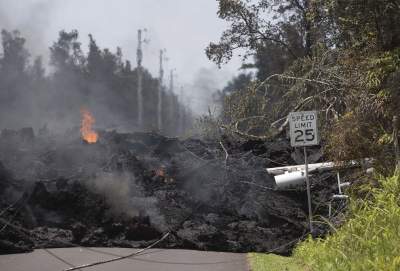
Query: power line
x=140 y=252
x=23 y=199
x=10 y=206
x=162 y=262
x=59 y=258
x=119 y=258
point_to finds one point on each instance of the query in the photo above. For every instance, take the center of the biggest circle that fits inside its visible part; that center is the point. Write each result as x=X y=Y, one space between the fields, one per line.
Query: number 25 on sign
x=303 y=129
x=303 y=133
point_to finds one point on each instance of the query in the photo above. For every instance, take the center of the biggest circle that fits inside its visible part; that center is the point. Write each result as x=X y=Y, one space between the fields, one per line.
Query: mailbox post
x=304 y=133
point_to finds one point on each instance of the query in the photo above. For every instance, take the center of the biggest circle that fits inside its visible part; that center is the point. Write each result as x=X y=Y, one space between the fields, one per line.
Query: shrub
x=369 y=240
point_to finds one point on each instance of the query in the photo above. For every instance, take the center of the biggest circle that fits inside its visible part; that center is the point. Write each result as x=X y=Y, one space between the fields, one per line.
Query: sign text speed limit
x=303 y=128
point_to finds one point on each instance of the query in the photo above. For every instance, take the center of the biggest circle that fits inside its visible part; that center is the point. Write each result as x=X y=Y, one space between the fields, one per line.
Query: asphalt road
x=154 y=259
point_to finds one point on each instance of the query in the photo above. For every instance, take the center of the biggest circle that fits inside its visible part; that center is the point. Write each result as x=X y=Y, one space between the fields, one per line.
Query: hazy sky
x=183 y=27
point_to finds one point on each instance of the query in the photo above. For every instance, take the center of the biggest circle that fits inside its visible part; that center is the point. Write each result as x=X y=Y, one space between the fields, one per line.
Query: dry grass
x=271 y=262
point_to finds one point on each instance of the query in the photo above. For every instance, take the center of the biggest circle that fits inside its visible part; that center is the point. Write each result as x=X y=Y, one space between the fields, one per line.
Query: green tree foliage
x=253 y=24
x=271 y=59
x=338 y=57
x=364 y=23
x=238 y=83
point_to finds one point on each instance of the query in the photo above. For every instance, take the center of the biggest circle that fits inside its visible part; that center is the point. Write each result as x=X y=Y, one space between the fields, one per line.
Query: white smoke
x=125 y=196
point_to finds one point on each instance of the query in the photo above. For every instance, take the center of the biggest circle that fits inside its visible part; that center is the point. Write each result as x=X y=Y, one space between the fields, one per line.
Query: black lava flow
x=126 y=190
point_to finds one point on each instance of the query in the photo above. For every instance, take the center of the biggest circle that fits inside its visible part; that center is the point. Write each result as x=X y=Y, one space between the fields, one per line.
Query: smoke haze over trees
x=100 y=80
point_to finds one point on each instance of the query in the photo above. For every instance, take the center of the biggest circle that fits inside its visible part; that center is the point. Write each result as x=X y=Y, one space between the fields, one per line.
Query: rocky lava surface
x=128 y=190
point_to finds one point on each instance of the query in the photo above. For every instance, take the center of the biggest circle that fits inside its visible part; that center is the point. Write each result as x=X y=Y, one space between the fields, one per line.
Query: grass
x=369 y=240
x=271 y=262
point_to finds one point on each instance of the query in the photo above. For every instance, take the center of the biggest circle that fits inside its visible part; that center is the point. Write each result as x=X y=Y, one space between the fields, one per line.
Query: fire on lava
x=160 y=172
x=87 y=133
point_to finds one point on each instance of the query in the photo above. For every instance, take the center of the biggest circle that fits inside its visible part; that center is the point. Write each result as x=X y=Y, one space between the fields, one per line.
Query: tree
x=15 y=56
x=339 y=57
x=237 y=83
x=66 y=53
x=94 y=59
x=255 y=23
x=365 y=23
x=101 y=80
x=13 y=67
x=37 y=71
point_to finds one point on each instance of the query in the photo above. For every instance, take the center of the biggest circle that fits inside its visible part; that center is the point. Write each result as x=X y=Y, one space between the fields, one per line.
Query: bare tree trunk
x=396 y=141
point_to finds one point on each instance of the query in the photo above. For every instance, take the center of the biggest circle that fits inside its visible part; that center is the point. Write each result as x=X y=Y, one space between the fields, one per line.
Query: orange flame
x=160 y=172
x=87 y=122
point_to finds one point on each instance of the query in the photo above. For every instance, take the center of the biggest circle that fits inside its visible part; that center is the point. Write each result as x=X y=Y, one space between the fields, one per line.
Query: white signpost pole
x=310 y=215
x=303 y=133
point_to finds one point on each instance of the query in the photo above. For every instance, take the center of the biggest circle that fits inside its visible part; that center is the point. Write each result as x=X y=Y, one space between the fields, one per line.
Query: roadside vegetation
x=328 y=56
x=271 y=262
x=369 y=240
x=342 y=59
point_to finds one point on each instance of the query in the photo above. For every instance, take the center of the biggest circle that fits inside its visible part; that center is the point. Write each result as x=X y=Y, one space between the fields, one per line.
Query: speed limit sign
x=303 y=129
x=303 y=133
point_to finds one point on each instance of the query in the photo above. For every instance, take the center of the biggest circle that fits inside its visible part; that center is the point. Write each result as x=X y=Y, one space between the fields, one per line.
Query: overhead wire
x=22 y=200
x=10 y=206
x=163 y=262
x=140 y=252
x=59 y=258
x=118 y=258
x=27 y=233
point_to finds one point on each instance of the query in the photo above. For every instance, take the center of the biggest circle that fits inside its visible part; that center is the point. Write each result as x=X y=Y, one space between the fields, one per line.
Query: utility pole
x=160 y=88
x=139 y=58
x=181 y=113
x=172 y=127
x=171 y=82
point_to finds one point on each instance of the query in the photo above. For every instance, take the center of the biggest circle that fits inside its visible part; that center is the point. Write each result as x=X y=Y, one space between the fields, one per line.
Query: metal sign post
x=303 y=133
x=310 y=215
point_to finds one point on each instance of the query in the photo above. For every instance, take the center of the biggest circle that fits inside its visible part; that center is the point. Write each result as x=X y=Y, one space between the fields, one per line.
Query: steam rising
x=125 y=196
